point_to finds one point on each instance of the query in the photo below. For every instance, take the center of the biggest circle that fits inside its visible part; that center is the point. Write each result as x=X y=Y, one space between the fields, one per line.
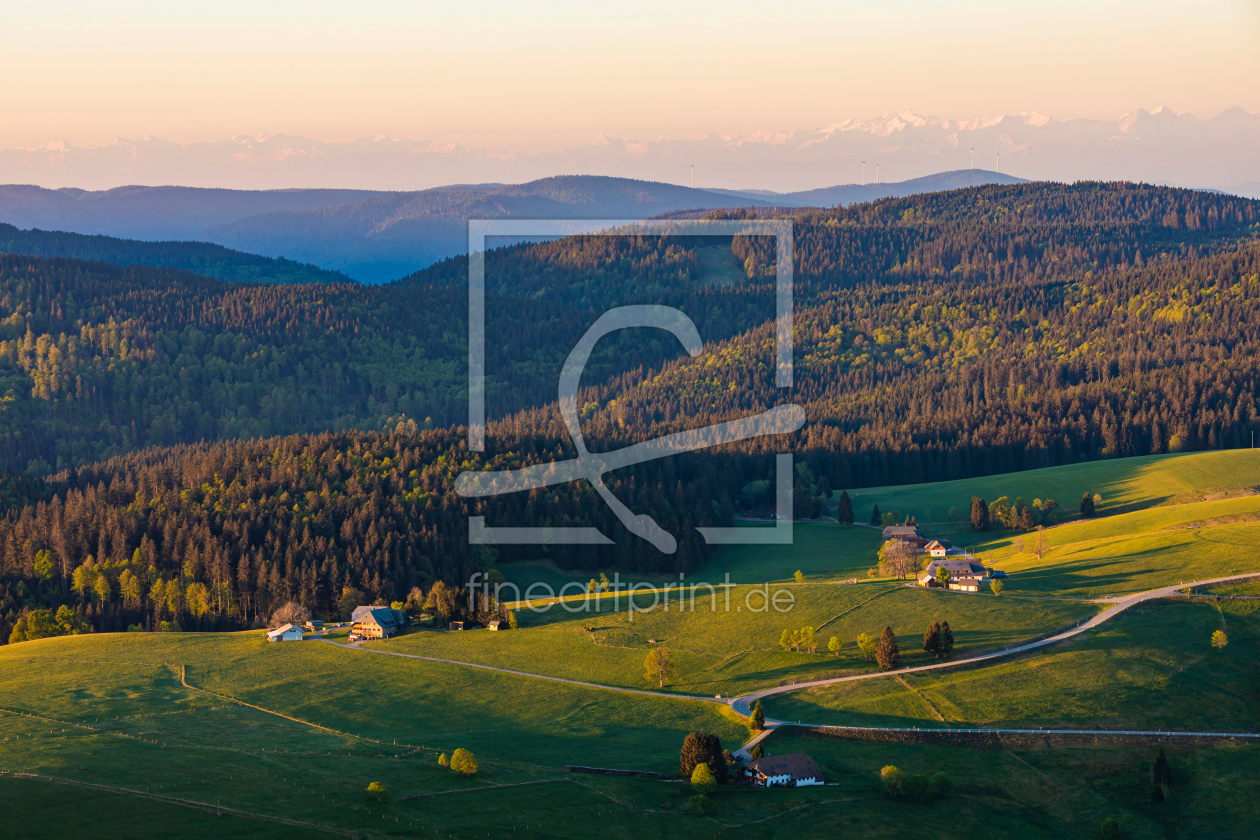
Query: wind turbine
x=973 y=159
x=693 y=176
x=877 y=173
x=997 y=162
x=864 y=173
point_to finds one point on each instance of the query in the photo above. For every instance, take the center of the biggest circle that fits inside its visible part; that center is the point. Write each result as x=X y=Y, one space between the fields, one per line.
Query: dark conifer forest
x=182 y=448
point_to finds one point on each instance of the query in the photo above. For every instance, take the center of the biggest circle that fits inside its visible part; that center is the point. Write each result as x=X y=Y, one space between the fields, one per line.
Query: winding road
x=743 y=704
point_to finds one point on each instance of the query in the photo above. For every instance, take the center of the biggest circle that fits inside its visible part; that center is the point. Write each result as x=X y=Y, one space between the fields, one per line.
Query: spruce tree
x=875 y=518
x=844 y=509
x=756 y=752
x=1087 y=506
x=887 y=654
x=947 y=640
x=932 y=639
x=979 y=514
x=758 y=717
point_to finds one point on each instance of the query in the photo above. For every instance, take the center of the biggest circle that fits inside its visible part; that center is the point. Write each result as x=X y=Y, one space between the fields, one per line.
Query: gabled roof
x=282 y=629
x=796 y=765
x=936 y=544
x=894 y=531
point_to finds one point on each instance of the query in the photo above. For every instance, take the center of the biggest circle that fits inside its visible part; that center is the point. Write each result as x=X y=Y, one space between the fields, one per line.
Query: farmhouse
x=795 y=770
x=964 y=575
x=901 y=532
x=285 y=633
x=377 y=623
x=938 y=548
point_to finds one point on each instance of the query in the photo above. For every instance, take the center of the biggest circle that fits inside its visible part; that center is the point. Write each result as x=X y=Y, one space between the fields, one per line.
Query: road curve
x=743 y=704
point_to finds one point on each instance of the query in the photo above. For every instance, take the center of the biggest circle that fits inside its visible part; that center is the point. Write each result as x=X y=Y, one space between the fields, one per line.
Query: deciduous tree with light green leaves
x=867 y=644
x=834 y=645
x=996 y=587
x=799 y=577
x=658 y=666
x=1219 y=640
x=463 y=761
x=702 y=780
x=376 y=789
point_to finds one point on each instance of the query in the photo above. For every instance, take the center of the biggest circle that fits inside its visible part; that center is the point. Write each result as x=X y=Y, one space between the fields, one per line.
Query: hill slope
x=197 y=257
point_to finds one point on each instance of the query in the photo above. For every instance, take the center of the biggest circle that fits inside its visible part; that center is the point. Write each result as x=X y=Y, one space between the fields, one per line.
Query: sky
x=550 y=73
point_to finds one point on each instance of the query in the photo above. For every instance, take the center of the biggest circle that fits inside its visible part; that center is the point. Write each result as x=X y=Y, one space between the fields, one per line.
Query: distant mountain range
x=1156 y=146
x=379 y=236
x=197 y=257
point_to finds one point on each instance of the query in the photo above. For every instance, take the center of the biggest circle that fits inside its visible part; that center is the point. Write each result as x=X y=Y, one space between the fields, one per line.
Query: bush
x=942 y=786
x=699 y=804
x=170 y=627
x=702 y=780
x=442 y=759
x=462 y=761
x=917 y=787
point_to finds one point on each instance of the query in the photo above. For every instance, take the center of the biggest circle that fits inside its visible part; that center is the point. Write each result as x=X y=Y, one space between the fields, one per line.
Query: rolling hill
x=197 y=257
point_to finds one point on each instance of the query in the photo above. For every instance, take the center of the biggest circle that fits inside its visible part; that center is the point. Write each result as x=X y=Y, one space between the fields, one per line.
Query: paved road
x=743 y=704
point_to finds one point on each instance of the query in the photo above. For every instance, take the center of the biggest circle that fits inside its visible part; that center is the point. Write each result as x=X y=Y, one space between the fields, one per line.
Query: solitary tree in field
x=876 y=519
x=887 y=654
x=834 y=645
x=785 y=639
x=807 y=639
x=800 y=578
x=442 y=760
x=979 y=514
x=947 y=640
x=1087 y=506
x=702 y=780
x=932 y=639
x=996 y=586
x=844 y=508
x=462 y=761
x=376 y=789
x=658 y=666
x=867 y=644
x=758 y=718
x=1219 y=639
x=953 y=514
x=892 y=779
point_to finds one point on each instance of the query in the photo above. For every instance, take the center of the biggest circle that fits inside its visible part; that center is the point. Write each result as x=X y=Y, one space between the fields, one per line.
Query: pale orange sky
x=532 y=75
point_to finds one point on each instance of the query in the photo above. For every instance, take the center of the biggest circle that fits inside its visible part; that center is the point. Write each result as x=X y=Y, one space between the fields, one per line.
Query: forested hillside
x=197 y=257
x=936 y=337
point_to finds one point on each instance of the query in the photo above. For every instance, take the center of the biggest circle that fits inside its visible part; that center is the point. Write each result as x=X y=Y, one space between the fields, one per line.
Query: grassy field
x=112 y=712
x=734 y=651
x=1124 y=483
x=1150 y=668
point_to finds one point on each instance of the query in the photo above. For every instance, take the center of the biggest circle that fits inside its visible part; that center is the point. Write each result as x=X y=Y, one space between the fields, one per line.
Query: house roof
x=282 y=629
x=894 y=531
x=935 y=544
x=796 y=765
x=384 y=616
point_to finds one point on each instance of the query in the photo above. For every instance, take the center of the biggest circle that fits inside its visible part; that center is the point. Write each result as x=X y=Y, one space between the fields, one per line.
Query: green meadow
x=1124 y=483
x=1152 y=667
x=736 y=650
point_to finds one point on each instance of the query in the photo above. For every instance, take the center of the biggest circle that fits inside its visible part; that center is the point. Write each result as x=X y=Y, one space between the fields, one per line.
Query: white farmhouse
x=794 y=770
x=285 y=633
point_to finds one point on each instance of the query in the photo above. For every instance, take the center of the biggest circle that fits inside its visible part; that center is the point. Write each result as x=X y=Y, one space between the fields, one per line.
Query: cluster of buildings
x=965 y=575
x=365 y=623
x=794 y=770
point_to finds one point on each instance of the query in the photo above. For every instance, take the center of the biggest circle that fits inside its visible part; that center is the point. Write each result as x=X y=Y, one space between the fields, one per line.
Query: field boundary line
x=476 y=789
x=856 y=606
x=174 y=800
x=183 y=678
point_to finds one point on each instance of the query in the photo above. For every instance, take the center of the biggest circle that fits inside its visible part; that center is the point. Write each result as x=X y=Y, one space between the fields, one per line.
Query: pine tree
x=756 y=752
x=932 y=639
x=979 y=514
x=1087 y=506
x=875 y=517
x=947 y=640
x=758 y=717
x=702 y=748
x=887 y=654
x=844 y=509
